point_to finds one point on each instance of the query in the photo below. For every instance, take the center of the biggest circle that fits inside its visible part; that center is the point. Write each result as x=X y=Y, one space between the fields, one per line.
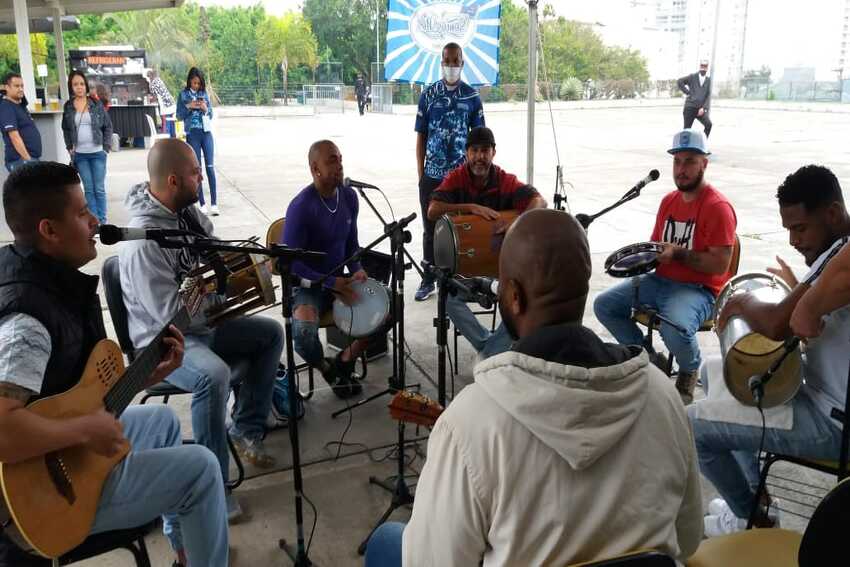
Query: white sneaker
x=717 y=507
x=723 y=524
x=205 y=209
x=214 y=210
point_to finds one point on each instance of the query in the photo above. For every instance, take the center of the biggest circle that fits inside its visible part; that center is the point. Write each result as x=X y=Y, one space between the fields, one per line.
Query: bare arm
x=537 y=203
x=421 y=140
x=438 y=208
x=715 y=260
x=768 y=319
x=18 y=143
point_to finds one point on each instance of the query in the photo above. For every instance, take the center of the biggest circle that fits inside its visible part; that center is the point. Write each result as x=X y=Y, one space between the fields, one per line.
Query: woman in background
x=87 y=130
x=195 y=110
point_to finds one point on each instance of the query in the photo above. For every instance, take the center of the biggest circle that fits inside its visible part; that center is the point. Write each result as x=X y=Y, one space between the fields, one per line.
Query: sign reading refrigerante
x=417 y=31
x=106 y=60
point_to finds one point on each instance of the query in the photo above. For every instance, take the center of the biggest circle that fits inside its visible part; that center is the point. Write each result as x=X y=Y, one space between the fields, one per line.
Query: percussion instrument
x=368 y=312
x=747 y=354
x=469 y=245
x=249 y=284
x=634 y=260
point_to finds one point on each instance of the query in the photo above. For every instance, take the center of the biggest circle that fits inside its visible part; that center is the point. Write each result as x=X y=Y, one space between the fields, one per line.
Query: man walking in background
x=360 y=91
x=697 y=87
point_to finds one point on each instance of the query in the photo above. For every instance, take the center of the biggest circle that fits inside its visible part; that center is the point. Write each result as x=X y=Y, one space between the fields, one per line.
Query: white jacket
x=540 y=463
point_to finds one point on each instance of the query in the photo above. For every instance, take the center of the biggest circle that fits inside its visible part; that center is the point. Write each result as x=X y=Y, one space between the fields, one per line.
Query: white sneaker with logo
x=205 y=209
x=214 y=210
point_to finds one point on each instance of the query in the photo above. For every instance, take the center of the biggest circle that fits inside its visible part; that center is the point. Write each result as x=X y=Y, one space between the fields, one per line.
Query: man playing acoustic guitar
x=50 y=320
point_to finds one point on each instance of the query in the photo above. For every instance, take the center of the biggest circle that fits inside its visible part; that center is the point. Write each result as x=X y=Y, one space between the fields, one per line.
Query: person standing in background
x=697 y=87
x=448 y=110
x=360 y=90
x=167 y=106
x=195 y=110
x=87 y=130
x=21 y=137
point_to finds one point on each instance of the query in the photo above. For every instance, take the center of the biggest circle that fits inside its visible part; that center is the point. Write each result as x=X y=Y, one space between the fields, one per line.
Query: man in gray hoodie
x=150 y=279
x=565 y=449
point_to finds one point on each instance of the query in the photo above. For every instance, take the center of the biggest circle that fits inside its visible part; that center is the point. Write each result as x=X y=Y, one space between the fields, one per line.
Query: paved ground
x=604 y=149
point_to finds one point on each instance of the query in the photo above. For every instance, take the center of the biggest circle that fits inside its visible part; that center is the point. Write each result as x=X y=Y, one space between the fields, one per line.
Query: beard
x=688 y=187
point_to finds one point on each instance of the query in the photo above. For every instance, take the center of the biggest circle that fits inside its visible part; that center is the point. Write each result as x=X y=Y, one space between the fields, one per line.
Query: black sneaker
x=338 y=375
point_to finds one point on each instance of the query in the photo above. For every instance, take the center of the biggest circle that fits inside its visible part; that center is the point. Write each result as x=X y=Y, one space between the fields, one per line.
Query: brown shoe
x=685 y=384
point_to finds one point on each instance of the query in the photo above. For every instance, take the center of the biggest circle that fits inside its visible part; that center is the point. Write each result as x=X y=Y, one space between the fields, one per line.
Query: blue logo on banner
x=417 y=31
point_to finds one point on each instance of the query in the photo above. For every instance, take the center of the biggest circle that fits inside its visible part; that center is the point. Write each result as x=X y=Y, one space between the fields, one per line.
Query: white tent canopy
x=22 y=10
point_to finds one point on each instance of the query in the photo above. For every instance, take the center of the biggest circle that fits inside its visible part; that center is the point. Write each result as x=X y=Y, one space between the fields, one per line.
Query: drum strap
x=835 y=250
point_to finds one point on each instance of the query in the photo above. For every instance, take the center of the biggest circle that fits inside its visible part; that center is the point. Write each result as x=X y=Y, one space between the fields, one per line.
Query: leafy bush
x=571 y=89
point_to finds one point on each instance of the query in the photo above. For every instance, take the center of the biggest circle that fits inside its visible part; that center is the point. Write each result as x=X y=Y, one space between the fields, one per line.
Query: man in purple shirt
x=323 y=218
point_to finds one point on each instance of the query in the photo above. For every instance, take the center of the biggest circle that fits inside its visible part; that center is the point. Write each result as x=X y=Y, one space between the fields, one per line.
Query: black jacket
x=101 y=125
x=699 y=96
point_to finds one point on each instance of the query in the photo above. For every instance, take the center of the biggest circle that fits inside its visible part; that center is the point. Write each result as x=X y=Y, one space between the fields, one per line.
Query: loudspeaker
x=379 y=267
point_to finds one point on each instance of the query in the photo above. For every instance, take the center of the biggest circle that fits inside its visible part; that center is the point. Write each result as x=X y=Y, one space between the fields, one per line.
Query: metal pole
x=532 y=83
x=22 y=28
x=714 y=45
x=377 y=42
x=60 y=54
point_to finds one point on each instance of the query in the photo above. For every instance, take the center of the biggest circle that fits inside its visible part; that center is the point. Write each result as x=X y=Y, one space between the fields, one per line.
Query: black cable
x=315 y=519
x=384 y=195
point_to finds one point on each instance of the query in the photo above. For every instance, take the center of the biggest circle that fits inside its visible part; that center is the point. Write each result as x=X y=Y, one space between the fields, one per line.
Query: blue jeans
x=13 y=165
x=727 y=451
x=203 y=142
x=384 y=547
x=687 y=305
x=305 y=334
x=161 y=476
x=92 y=168
x=485 y=342
x=206 y=373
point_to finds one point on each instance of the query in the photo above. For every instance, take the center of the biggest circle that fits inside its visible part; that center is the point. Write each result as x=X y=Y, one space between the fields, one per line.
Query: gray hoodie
x=150 y=275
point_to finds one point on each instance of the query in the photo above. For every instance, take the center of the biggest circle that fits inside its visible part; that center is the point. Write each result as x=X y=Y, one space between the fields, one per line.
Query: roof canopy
x=44 y=8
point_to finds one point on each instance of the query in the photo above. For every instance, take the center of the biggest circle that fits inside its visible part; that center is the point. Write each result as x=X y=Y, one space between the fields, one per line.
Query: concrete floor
x=604 y=149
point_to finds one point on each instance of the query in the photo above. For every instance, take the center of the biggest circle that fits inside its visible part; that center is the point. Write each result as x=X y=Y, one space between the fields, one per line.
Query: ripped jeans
x=305 y=334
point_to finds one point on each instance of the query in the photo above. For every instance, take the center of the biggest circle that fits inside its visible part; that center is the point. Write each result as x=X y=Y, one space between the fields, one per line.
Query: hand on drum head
x=485 y=213
x=784 y=272
x=734 y=306
x=666 y=255
x=343 y=290
x=360 y=276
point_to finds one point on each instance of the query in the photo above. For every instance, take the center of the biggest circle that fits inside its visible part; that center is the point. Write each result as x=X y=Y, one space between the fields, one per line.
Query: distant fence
x=324 y=98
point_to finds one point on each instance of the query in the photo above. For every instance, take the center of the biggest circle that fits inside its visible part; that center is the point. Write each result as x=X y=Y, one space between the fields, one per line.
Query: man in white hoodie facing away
x=565 y=448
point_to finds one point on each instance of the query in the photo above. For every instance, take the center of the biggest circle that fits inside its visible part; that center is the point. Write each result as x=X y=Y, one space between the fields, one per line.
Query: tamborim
x=369 y=311
x=633 y=260
x=469 y=245
x=747 y=354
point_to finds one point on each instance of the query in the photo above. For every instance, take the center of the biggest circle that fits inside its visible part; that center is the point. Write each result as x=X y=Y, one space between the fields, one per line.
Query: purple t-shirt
x=311 y=224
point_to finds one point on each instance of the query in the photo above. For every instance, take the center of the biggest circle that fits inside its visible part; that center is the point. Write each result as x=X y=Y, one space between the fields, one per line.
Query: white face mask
x=451 y=74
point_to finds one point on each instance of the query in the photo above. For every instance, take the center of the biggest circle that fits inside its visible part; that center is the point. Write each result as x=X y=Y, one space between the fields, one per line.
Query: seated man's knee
x=202 y=462
x=306 y=313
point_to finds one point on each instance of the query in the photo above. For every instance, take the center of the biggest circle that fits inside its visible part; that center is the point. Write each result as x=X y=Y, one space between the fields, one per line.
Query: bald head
x=544 y=271
x=316 y=150
x=174 y=173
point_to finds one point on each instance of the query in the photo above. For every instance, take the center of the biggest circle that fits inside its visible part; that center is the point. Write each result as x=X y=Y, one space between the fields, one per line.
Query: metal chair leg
x=240 y=476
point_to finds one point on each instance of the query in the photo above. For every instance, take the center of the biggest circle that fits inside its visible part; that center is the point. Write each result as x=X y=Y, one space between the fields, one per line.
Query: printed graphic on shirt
x=679 y=233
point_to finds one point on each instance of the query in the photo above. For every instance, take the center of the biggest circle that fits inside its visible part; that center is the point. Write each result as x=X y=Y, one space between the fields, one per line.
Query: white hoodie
x=541 y=463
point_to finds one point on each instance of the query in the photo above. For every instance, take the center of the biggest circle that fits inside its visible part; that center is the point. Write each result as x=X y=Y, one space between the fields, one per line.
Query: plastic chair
x=155 y=134
x=118 y=312
x=823 y=542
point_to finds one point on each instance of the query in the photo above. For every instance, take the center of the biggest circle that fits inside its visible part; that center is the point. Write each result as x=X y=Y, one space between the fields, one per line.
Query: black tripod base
x=363 y=402
x=299 y=559
x=401 y=497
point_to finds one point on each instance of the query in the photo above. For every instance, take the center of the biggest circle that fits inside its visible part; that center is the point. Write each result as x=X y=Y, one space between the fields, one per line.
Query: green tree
x=287 y=41
x=9 y=60
x=347 y=27
x=233 y=53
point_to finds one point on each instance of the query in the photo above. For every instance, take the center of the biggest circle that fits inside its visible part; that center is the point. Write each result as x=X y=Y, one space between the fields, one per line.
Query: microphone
x=349 y=182
x=757 y=382
x=485 y=285
x=111 y=234
x=653 y=175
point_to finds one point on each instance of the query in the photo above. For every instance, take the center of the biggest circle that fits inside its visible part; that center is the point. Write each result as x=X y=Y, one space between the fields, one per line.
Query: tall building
x=844 y=51
x=730 y=17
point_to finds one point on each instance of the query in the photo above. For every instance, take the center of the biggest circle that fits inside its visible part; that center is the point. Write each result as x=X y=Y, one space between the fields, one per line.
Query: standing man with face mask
x=696 y=224
x=448 y=110
x=697 y=87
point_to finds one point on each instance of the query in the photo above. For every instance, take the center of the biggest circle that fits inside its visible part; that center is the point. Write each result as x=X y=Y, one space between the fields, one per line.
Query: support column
x=60 y=54
x=532 y=84
x=22 y=28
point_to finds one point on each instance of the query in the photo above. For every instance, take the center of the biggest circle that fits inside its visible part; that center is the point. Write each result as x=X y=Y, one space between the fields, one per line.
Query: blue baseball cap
x=689 y=140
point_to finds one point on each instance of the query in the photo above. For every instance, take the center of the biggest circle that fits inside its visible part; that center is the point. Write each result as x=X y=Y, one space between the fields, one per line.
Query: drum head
x=633 y=260
x=368 y=313
x=445 y=244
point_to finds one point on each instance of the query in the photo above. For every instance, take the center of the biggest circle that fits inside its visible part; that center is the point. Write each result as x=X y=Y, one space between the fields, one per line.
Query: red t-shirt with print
x=701 y=224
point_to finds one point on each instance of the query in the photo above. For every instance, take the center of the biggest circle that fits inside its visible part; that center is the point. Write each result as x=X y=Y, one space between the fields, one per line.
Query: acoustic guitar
x=413 y=407
x=52 y=499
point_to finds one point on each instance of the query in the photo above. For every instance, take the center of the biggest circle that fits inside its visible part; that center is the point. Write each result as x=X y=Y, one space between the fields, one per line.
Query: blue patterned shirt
x=446 y=117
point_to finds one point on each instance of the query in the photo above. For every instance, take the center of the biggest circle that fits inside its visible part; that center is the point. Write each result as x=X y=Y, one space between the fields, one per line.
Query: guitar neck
x=136 y=375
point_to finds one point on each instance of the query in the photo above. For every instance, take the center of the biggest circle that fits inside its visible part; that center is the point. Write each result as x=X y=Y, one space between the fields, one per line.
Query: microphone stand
x=283 y=256
x=585 y=220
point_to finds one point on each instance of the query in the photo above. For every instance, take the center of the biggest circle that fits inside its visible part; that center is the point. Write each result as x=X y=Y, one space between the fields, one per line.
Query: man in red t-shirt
x=696 y=224
x=478 y=187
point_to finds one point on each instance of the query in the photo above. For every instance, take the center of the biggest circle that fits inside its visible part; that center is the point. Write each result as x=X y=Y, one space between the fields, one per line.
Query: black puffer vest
x=64 y=300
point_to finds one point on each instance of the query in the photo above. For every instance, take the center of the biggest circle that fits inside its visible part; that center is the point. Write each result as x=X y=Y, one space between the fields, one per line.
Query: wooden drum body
x=469 y=245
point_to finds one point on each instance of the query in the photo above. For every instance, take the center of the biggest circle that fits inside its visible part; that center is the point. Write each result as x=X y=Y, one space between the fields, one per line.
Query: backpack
x=279 y=413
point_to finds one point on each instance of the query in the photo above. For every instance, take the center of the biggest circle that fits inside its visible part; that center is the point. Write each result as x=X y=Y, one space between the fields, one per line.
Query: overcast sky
x=780 y=33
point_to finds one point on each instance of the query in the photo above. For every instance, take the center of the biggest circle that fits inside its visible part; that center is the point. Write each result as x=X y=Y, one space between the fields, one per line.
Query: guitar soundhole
x=59 y=475
x=107 y=370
